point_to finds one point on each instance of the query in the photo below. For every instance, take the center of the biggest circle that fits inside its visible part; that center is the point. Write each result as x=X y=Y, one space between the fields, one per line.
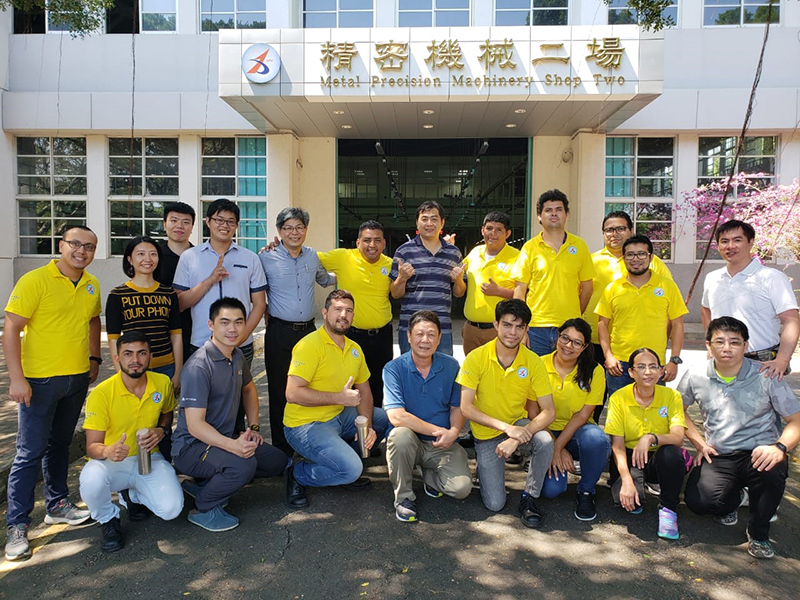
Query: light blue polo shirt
x=245 y=277
x=428 y=399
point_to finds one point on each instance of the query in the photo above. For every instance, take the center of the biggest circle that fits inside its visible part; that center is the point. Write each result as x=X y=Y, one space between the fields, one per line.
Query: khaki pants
x=473 y=337
x=445 y=470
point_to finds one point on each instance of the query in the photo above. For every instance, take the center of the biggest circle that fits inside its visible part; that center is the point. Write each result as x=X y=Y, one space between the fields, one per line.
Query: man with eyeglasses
x=638 y=311
x=742 y=446
x=57 y=309
x=761 y=297
x=291 y=272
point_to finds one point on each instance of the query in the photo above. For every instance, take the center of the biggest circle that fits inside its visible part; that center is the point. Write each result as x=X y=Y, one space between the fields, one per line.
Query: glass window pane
x=125 y=186
x=251 y=20
x=619 y=166
x=550 y=17
x=253 y=146
x=319 y=20
x=655 y=231
x=415 y=4
x=33 y=185
x=415 y=19
x=619 y=188
x=153 y=210
x=162 y=186
x=36 y=246
x=154 y=228
x=251 y=229
x=161 y=166
x=252 y=166
x=512 y=18
x=654 y=188
x=161 y=147
x=621 y=17
x=617 y=206
x=125 y=209
x=714 y=167
x=30 y=146
x=656 y=146
x=355 y=19
x=34 y=208
x=33 y=165
x=219 y=146
x=619 y=146
x=759 y=145
x=69 y=165
x=355 y=4
x=217 y=22
x=125 y=166
x=254 y=245
x=452 y=3
x=716 y=145
x=721 y=16
x=69 y=209
x=452 y=18
x=500 y=4
x=126 y=228
x=124 y=146
x=251 y=5
x=663 y=250
x=253 y=210
x=217 y=5
x=158 y=22
x=70 y=186
x=219 y=186
x=756 y=165
x=550 y=3
x=654 y=167
x=320 y=5
x=760 y=14
x=219 y=166
x=69 y=146
x=35 y=227
x=251 y=186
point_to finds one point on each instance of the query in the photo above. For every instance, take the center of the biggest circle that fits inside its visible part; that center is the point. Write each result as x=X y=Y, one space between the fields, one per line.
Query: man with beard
x=636 y=312
x=116 y=410
x=506 y=395
x=321 y=403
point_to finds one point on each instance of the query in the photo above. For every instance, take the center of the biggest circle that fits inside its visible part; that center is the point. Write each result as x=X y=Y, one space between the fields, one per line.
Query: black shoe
x=375 y=451
x=295 y=493
x=359 y=485
x=112 y=536
x=529 y=513
x=584 y=507
x=514 y=459
x=136 y=511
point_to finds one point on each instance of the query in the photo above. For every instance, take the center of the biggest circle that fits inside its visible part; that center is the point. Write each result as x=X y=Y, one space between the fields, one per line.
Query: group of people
x=552 y=334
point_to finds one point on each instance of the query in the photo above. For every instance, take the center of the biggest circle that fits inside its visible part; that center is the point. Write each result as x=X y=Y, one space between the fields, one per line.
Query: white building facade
x=159 y=106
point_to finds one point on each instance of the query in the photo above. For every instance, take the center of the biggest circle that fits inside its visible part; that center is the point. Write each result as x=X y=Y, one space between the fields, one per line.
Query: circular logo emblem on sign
x=522 y=372
x=354 y=352
x=572 y=250
x=90 y=289
x=662 y=412
x=156 y=397
x=261 y=63
x=384 y=271
x=658 y=292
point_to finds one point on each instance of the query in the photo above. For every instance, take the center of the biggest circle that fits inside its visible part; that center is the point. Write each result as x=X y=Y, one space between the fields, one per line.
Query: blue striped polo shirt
x=431 y=287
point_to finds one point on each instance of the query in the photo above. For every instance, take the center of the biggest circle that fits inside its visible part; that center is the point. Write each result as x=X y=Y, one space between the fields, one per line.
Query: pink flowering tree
x=772 y=210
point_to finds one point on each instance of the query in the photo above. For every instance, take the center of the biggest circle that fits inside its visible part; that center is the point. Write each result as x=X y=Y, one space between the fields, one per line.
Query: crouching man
x=123 y=404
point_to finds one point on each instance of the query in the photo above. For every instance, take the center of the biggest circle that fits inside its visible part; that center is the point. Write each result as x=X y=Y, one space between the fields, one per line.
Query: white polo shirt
x=755 y=296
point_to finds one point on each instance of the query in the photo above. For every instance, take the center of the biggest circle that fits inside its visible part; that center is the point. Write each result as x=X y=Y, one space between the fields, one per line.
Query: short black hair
x=729 y=324
x=179 y=207
x=222 y=205
x=427 y=316
x=639 y=351
x=371 y=224
x=67 y=228
x=226 y=302
x=748 y=230
x=498 y=217
x=292 y=212
x=552 y=196
x=132 y=336
x=617 y=214
x=638 y=239
x=429 y=205
x=127 y=267
x=515 y=308
x=339 y=295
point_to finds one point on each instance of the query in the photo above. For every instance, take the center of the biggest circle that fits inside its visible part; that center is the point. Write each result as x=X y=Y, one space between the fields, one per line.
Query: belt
x=297 y=326
x=481 y=325
x=763 y=355
x=370 y=332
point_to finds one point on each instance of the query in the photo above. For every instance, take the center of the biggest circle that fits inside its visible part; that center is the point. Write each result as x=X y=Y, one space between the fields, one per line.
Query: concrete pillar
x=550 y=171
x=685 y=180
x=281 y=176
x=587 y=197
x=97 y=193
x=189 y=163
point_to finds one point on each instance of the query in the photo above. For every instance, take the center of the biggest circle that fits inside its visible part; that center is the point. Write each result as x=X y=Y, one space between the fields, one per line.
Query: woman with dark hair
x=143 y=304
x=647 y=425
x=578 y=387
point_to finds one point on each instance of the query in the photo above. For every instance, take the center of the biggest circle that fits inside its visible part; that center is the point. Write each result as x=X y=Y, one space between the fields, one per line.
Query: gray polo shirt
x=290 y=282
x=739 y=415
x=245 y=277
x=209 y=380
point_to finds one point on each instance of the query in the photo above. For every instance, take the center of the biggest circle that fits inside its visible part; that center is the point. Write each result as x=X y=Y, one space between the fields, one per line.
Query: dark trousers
x=714 y=488
x=279 y=340
x=378 y=351
x=601 y=360
x=225 y=472
x=665 y=466
x=44 y=433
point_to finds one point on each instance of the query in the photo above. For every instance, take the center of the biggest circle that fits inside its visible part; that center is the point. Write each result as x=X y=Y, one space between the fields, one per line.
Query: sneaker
x=17 y=546
x=136 y=511
x=728 y=520
x=529 y=513
x=111 y=538
x=216 y=519
x=759 y=549
x=652 y=488
x=667 y=524
x=429 y=491
x=584 y=507
x=636 y=511
x=67 y=512
x=406 y=511
x=745 y=497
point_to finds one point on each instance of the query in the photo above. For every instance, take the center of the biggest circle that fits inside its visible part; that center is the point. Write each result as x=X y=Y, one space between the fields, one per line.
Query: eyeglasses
x=732 y=343
x=610 y=230
x=632 y=255
x=646 y=368
x=76 y=245
x=568 y=341
x=220 y=221
x=290 y=229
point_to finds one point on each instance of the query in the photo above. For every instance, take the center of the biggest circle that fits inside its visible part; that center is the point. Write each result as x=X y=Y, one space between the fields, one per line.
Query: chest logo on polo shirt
x=572 y=250
x=522 y=372
x=354 y=352
x=662 y=412
x=90 y=289
x=502 y=266
x=156 y=397
x=658 y=292
x=384 y=271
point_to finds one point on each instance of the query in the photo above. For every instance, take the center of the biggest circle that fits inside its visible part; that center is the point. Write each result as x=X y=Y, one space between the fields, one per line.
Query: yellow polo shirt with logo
x=502 y=393
x=55 y=340
x=553 y=278
x=627 y=419
x=479 y=307
x=608 y=268
x=639 y=316
x=318 y=360
x=568 y=397
x=369 y=283
x=113 y=409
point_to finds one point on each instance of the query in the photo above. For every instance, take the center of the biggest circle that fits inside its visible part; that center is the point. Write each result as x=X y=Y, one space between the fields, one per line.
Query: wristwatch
x=655 y=440
x=782 y=448
x=165 y=429
x=255 y=427
x=96 y=359
x=676 y=360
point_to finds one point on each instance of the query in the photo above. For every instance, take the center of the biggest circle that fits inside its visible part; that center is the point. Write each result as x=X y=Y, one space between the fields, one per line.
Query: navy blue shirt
x=428 y=399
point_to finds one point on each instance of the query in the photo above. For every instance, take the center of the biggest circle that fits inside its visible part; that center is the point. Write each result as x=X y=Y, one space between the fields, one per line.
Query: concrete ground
x=349 y=545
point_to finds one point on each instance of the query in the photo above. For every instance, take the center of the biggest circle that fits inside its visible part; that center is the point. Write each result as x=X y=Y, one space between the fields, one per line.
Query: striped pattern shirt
x=431 y=287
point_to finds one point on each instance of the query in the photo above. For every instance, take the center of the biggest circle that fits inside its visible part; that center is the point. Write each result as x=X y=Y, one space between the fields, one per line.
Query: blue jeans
x=542 y=339
x=44 y=434
x=168 y=370
x=591 y=447
x=445 y=344
x=330 y=459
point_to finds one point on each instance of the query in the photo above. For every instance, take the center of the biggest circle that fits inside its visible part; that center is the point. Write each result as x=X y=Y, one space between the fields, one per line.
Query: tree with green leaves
x=80 y=17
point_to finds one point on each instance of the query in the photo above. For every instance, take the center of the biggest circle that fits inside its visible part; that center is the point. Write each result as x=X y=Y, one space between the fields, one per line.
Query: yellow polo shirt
x=568 y=397
x=479 y=307
x=113 y=409
x=627 y=419
x=317 y=359
x=502 y=393
x=553 y=278
x=55 y=340
x=639 y=316
x=369 y=283
x=608 y=268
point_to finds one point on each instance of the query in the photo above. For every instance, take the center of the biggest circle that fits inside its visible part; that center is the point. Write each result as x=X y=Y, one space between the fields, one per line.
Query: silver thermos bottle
x=144 y=455
x=362 y=426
